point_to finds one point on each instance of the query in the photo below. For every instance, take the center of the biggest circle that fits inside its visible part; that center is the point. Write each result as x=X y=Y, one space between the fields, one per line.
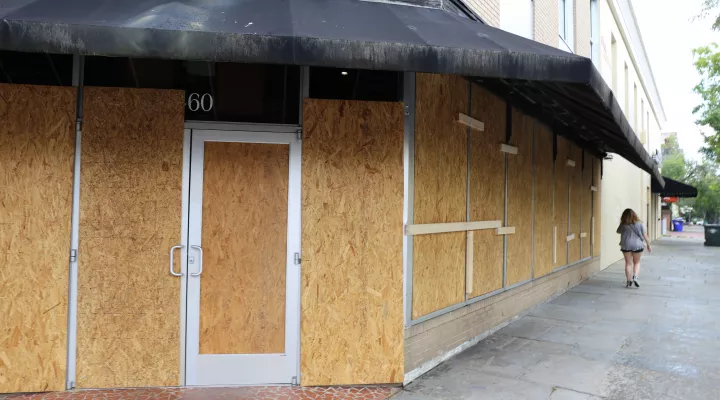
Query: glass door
x=243 y=282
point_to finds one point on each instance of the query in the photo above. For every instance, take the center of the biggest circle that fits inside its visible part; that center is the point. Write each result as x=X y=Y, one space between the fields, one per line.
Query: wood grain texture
x=576 y=196
x=544 y=194
x=352 y=227
x=597 y=182
x=487 y=188
x=37 y=147
x=130 y=210
x=520 y=194
x=440 y=191
x=244 y=240
x=587 y=182
x=562 y=176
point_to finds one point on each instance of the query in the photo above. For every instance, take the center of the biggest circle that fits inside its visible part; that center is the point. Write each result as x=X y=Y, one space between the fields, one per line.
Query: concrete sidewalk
x=601 y=340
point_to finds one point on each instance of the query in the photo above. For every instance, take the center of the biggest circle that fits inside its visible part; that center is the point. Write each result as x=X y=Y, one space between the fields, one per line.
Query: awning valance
x=674 y=188
x=563 y=90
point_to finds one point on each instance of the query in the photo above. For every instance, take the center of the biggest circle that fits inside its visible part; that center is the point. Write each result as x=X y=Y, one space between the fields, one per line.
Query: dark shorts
x=632 y=251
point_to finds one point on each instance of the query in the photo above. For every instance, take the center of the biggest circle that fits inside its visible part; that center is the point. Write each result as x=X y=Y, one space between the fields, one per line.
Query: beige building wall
x=624 y=185
x=488 y=10
x=582 y=27
x=546 y=22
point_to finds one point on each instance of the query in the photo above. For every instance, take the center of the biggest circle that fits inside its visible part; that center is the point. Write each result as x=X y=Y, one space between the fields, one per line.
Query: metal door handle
x=200 y=261
x=172 y=260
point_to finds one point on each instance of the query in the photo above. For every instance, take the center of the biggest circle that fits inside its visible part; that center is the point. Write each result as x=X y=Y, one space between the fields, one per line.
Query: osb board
x=352 y=227
x=244 y=241
x=544 y=187
x=37 y=143
x=487 y=188
x=576 y=191
x=562 y=175
x=130 y=210
x=520 y=195
x=597 y=182
x=440 y=191
x=587 y=182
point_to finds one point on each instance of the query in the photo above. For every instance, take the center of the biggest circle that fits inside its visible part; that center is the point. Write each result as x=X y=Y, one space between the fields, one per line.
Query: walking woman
x=633 y=240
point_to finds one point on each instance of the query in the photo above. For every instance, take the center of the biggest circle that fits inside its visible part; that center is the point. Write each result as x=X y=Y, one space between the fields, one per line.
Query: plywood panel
x=352 y=290
x=244 y=240
x=520 y=194
x=487 y=188
x=597 y=182
x=544 y=193
x=440 y=191
x=562 y=176
x=587 y=182
x=37 y=143
x=576 y=192
x=130 y=210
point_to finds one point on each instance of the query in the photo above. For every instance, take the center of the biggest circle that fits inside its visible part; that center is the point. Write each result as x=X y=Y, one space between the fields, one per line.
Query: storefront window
x=36 y=68
x=223 y=92
x=355 y=84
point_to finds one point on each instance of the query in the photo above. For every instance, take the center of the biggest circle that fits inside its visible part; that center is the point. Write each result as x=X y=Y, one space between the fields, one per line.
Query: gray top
x=631 y=236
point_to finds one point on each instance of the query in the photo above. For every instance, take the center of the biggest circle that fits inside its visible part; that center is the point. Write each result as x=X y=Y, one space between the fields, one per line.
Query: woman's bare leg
x=628 y=266
x=636 y=263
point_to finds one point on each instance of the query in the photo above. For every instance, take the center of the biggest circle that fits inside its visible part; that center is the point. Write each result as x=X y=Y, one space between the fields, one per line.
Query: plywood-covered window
x=499 y=199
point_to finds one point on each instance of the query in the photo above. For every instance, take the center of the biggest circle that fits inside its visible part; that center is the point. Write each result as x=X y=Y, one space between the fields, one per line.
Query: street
x=601 y=340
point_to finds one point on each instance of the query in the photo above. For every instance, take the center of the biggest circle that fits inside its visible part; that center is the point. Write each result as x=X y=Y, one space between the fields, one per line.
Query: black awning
x=674 y=188
x=563 y=90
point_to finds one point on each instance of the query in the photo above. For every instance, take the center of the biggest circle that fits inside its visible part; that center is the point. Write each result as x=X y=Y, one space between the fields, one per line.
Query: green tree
x=707 y=63
x=709 y=7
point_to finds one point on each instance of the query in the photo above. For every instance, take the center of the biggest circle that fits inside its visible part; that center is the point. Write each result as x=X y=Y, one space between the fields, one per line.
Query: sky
x=670 y=32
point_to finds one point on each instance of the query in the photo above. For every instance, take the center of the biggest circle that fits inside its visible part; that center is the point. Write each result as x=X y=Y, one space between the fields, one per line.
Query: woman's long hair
x=629 y=217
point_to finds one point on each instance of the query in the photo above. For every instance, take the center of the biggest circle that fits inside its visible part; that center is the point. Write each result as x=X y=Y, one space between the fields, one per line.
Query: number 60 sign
x=197 y=102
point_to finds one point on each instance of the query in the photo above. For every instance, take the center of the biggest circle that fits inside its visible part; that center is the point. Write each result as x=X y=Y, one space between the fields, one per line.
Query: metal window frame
x=71 y=355
x=408 y=191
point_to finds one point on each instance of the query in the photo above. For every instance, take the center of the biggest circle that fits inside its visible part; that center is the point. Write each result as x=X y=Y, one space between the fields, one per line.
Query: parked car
x=700 y=222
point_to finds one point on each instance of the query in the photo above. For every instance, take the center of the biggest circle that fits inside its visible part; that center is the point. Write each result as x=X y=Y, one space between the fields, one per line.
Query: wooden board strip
x=37 y=147
x=130 y=212
x=508 y=230
x=426 y=229
x=440 y=191
x=544 y=187
x=487 y=189
x=471 y=122
x=520 y=194
x=469 y=262
x=352 y=232
x=594 y=188
x=570 y=163
x=577 y=194
x=583 y=234
x=561 y=200
x=587 y=195
x=505 y=148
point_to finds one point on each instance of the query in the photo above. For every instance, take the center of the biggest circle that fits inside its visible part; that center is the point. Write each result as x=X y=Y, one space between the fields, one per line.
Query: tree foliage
x=707 y=63
x=709 y=7
x=703 y=175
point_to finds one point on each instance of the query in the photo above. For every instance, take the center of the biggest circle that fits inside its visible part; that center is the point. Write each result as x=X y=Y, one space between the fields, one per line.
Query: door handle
x=200 y=261
x=172 y=260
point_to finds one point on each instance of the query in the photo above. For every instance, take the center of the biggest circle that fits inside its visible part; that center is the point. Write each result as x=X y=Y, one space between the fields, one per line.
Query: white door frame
x=222 y=369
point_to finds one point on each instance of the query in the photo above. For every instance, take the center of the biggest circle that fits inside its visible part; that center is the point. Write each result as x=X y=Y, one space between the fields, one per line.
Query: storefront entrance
x=241 y=258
